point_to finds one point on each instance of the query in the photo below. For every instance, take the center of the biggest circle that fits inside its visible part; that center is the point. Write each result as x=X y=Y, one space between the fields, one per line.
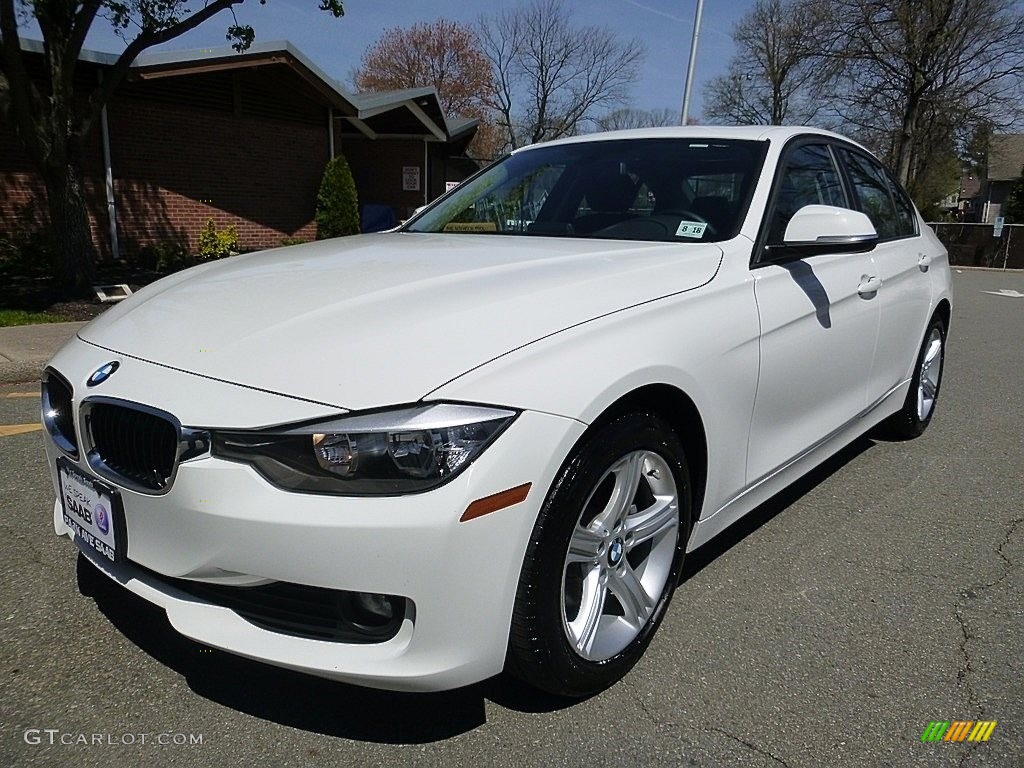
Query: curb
x=21 y=371
x=26 y=349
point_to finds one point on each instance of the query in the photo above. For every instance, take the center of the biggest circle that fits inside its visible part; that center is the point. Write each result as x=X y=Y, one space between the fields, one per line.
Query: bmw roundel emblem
x=102 y=373
x=615 y=552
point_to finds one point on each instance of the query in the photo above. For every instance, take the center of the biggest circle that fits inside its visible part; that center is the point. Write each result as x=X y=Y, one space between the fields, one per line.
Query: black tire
x=907 y=423
x=539 y=651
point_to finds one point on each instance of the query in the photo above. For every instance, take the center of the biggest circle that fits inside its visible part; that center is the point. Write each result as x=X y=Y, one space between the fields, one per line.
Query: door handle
x=869 y=285
x=923 y=262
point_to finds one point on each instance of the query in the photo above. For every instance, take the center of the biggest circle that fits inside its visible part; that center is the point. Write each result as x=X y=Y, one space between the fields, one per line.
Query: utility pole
x=693 y=62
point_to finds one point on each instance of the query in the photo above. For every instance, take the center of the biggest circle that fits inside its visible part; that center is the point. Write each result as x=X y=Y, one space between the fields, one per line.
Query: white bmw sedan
x=488 y=439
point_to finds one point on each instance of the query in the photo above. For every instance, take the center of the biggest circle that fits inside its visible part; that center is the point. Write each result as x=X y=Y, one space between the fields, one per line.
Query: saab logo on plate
x=102 y=519
x=102 y=373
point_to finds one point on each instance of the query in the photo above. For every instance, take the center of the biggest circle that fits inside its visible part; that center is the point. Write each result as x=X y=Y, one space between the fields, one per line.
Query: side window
x=871 y=188
x=904 y=208
x=808 y=178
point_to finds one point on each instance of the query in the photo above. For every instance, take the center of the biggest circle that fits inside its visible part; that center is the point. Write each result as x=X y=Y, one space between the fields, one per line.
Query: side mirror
x=823 y=229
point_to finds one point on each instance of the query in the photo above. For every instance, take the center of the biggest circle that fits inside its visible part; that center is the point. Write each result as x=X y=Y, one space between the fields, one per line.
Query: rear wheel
x=603 y=560
x=915 y=415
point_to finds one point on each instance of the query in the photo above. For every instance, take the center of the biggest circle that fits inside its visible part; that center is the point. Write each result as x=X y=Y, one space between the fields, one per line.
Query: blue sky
x=664 y=26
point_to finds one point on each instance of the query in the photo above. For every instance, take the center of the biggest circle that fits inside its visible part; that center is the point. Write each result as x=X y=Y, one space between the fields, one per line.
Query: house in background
x=1005 y=166
x=241 y=139
x=962 y=204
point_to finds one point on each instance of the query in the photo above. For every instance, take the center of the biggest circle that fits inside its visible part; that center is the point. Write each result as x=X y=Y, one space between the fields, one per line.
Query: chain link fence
x=975 y=245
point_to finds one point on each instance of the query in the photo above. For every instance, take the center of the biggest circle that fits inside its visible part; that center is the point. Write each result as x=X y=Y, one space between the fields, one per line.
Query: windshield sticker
x=471 y=226
x=691 y=229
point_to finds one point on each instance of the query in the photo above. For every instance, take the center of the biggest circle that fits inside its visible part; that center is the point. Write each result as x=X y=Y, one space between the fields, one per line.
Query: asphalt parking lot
x=827 y=629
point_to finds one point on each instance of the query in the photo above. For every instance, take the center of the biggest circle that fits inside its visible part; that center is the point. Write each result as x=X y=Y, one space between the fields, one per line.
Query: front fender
x=703 y=342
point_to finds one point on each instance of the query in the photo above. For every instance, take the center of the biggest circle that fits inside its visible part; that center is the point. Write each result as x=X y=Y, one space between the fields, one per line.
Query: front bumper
x=221 y=522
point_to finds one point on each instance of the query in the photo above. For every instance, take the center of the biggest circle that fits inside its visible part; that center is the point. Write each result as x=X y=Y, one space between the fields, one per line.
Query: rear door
x=818 y=325
x=902 y=262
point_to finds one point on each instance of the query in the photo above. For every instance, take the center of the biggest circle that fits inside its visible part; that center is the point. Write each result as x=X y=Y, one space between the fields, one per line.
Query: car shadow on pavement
x=701 y=557
x=299 y=700
x=336 y=709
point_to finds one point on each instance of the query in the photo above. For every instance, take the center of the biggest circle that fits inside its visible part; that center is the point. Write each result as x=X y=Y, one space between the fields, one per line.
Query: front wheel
x=603 y=560
x=915 y=415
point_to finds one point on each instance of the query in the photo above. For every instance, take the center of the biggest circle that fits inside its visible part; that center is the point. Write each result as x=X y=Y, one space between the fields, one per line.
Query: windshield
x=665 y=190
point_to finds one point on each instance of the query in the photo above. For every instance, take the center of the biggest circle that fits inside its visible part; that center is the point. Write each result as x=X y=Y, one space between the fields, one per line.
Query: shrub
x=165 y=257
x=337 y=206
x=217 y=243
x=27 y=252
x=287 y=241
x=26 y=244
x=1014 y=209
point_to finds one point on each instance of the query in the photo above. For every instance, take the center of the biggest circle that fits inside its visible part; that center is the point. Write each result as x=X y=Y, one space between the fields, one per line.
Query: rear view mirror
x=822 y=229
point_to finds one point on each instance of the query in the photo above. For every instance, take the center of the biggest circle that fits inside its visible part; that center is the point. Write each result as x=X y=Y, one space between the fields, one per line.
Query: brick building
x=242 y=139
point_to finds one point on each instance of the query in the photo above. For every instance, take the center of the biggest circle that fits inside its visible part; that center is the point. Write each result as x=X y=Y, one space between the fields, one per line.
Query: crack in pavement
x=660 y=722
x=748 y=744
x=965 y=673
x=999 y=550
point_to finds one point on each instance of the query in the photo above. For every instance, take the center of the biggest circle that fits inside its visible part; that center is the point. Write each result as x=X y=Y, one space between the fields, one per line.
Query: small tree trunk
x=73 y=251
x=907 y=136
x=903 y=155
x=777 y=105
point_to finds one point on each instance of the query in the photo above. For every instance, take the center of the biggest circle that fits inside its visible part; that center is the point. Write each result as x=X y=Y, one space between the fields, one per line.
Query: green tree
x=53 y=116
x=1014 y=208
x=976 y=147
x=337 y=205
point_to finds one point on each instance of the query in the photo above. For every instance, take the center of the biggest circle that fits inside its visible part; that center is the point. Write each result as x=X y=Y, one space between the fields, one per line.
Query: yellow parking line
x=20 y=394
x=6 y=430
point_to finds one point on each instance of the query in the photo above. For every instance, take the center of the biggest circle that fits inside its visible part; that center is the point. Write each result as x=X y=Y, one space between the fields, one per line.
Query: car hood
x=376 y=320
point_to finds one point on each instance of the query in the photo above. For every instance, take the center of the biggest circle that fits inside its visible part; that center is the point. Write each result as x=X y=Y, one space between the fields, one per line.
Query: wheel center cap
x=615 y=552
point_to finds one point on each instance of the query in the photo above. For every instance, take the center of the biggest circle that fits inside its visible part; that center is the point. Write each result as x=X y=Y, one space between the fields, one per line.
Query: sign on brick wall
x=410 y=178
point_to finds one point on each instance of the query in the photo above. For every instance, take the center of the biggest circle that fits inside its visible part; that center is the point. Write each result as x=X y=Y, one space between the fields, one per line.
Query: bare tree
x=53 y=114
x=551 y=76
x=917 y=72
x=772 y=76
x=627 y=117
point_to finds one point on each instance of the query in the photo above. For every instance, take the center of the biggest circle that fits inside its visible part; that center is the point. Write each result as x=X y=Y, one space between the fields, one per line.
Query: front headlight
x=377 y=454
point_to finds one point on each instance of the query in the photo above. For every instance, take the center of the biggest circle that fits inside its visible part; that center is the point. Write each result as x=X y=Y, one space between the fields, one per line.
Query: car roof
x=747 y=132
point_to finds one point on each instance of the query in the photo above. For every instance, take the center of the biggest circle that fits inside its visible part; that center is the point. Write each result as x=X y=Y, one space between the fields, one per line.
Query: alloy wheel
x=928 y=376
x=620 y=555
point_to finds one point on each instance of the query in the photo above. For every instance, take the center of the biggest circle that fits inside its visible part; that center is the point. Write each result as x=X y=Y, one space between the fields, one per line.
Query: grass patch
x=10 y=317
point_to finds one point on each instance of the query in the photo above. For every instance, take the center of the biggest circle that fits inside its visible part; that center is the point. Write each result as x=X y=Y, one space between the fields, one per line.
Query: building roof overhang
x=413 y=112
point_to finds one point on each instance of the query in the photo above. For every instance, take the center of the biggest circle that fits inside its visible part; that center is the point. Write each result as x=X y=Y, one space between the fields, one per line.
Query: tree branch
x=83 y=21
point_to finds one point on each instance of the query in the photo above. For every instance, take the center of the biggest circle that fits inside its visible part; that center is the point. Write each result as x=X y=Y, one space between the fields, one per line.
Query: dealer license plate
x=92 y=510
